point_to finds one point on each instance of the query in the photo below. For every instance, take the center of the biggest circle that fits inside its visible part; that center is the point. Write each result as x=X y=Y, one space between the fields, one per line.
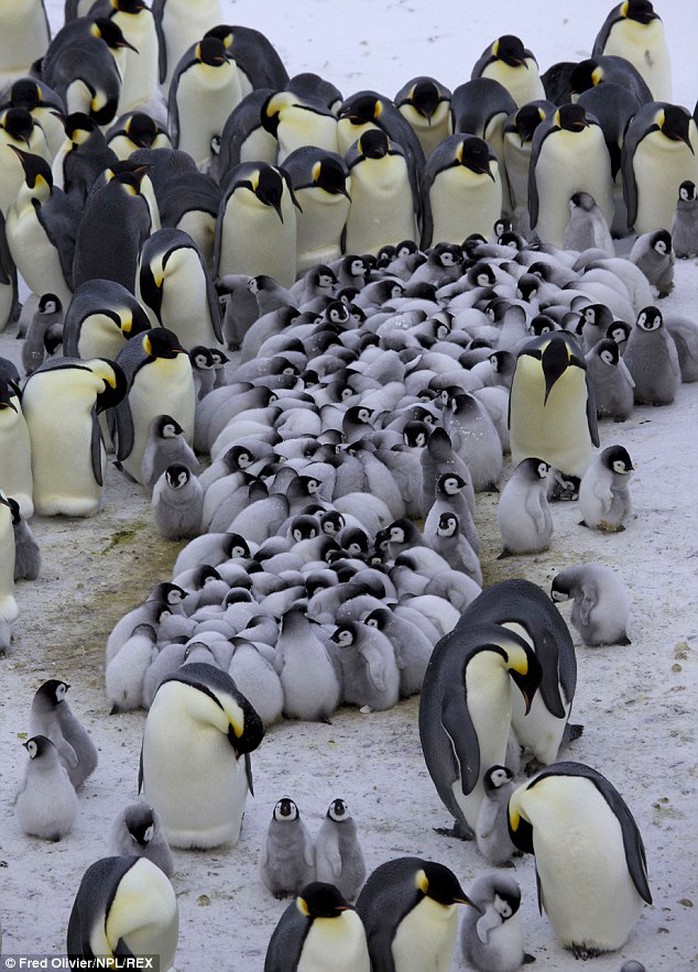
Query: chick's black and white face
x=60 y=692
x=285 y=810
x=619 y=466
x=343 y=637
x=32 y=748
x=543 y=469
x=338 y=811
x=499 y=777
x=503 y=907
x=649 y=320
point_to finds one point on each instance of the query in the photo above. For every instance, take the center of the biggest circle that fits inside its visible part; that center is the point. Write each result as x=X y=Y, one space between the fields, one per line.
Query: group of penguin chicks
x=359 y=362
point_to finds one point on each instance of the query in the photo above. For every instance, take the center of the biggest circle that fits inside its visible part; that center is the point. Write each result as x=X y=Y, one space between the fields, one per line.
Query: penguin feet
x=573 y=730
x=605 y=527
x=584 y=953
x=527 y=959
x=458 y=830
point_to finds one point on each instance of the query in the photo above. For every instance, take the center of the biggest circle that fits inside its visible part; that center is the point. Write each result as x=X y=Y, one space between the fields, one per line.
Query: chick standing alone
x=523 y=514
x=604 y=498
x=46 y=802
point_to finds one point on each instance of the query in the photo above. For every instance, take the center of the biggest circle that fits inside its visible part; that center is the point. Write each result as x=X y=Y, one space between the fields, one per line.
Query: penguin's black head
x=269 y=188
x=378 y=618
x=331 y=174
x=649 y=319
x=586 y=75
x=374 y=144
x=211 y=51
x=495 y=777
x=526 y=121
x=37 y=746
x=304 y=527
x=79 y=126
x=112 y=35
x=617 y=459
x=129 y=6
x=527 y=286
x=24 y=93
x=661 y=242
x=53 y=691
x=572 y=118
x=285 y=810
x=448 y=524
x=501 y=225
x=201 y=358
x=559 y=589
x=510 y=49
x=675 y=125
x=49 y=304
x=36 y=169
x=475 y=154
x=609 y=352
x=618 y=331
x=415 y=434
x=687 y=191
x=141 y=129
x=236 y=546
x=160 y=342
x=439 y=883
x=362 y=108
x=481 y=274
x=598 y=314
x=641 y=11
x=139 y=820
x=320 y=900
x=332 y=522
x=520 y=831
x=18 y=123
x=338 y=811
x=426 y=97
x=224 y=32
x=344 y=635
x=177 y=475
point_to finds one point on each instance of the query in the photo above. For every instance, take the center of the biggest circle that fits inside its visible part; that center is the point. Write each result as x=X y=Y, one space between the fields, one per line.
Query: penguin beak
x=466 y=901
x=124 y=43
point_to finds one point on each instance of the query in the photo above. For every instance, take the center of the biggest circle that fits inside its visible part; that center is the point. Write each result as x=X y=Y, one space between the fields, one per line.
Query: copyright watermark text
x=15 y=963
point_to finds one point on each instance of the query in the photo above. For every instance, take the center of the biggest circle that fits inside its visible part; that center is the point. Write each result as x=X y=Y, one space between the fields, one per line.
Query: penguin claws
x=528 y=958
x=584 y=953
x=573 y=730
x=624 y=640
x=457 y=831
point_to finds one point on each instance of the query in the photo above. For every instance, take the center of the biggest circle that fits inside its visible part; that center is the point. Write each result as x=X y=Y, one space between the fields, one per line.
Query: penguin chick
x=137 y=830
x=604 y=498
x=46 y=802
x=287 y=861
x=652 y=359
x=684 y=225
x=601 y=605
x=371 y=676
x=339 y=859
x=51 y=716
x=166 y=445
x=492 y=829
x=612 y=382
x=178 y=502
x=523 y=514
x=587 y=227
x=27 y=550
x=48 y=313
x=654 y=255
x=491 y=937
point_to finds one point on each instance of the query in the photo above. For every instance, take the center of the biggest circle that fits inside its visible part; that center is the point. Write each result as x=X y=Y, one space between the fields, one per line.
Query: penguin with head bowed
x=461 y=735
x=338 y=855
x=287 y=860
x=256 y=224
x=612 y=382
x=61 y=403
x=52 y=716
x=601 y=70
x=124 y=906
x=601 y=602
x=652 y=359
x=462 y=190
x=17 y=130
x=319 y=929
x=160 y=382
x=295 y=122
x=15 y=449
x=491 y=938
x=136 y=130
x=426 y=104
x=684 y=225
x=140 y=64
x=367 y=659
x=195 y=758
x=653 y=253
x=177 y=503
x=523 y=514
x=604 y=496
x=659 y=153
x=137 y=830
x=507 y=60
x=45 y=803
x=101 y=317
x=43 y=104
x=409 y=910
x=587 y=227
x=82 y=157
x=552 y=414
x=492 y=829
x=634 y=31
x=517 y=142
x=591 y=868
x=369 y=109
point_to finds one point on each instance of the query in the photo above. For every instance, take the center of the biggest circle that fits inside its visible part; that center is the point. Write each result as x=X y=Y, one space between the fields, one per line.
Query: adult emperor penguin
x=658 y=154
x=195 y=765
x=517 y=143
x=256 y=58
x=46 y=803
x=179 y=24
x=137 y=830
x=140 y=72
x=295 y=122
x=490 y=936
x=160 y=382
x=18 y=129
x=634 y=31
x=462 y=190
x=523 y=514
x=102 y=316
x=287 y=859
x=124 y=906
x=601 y=607
x=465 y=711
x=591 y=869
x=61 y=402
x=551 y=410
x=320 y=182
x=8 y=605
x=652 y=359
x=338 y=855
x=568 y=155
x=319 y=929
x=136 y=130
x=43 y=104
x=506 y=60
x=256 y=224
x=383 y=205
x=175 y=287
x=409 y=907
x=684 y=225
x=24 y=36
x=426 y=104
x=52 y=716
x=15 y=449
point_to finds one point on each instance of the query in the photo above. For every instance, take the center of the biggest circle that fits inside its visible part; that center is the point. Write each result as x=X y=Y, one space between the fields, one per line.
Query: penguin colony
x=402 y=315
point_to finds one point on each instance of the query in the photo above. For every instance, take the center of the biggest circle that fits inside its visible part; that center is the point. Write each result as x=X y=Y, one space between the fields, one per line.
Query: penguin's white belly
x=259 y=146
x=306 y=128
x=15 y=460
x=100 y=338
x=568 y=163
x=48 y=805
x=144 y=914
x=431 y=132
x=381 y=211
x=425 y=939
x=660 y=166
x=192 y=778
x=141 y=69
x=587 y=890
x=463 y=202
x=522 y=83
x=183 y=24
x=540 y=731
x=206 y=95
x=255 y=241
x=319 y=227
x=8 y=605
x=335 y=943
x=645 y=46
x=184 y=307
x=24 y=36
x=35 y=256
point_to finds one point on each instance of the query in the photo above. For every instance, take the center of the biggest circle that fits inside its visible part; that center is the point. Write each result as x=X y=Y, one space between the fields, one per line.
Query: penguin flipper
x=459 y=728
x=248 y=773
x=140 y=771
x=592 y=415
x=121 y=428
x=586 y=606
x=630 y=143
x=96 y=450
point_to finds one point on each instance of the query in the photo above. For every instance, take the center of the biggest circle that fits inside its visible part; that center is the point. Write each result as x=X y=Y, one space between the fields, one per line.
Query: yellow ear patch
x=624 y=9
x=147 y=345
x=378 y=110
x=597 y=75
x=302 y=907
x=421 y=881
x=316 y=170
x=126 y=321
x=659 y=118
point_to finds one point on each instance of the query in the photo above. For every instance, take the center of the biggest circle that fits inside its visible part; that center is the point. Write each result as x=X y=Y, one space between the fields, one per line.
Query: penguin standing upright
x=604 y=497
x=684 y=225
x=426 y=104
x=523 y=515
x=591 y=869
x=295 y=122
x=177 y=503
x=102 y=316
x=179 y=25
x=8 y=605
x=320 y=182
x=287 y=860
x=141 y=65
x=612 y=382
x=652 y=359
x=52 y=716
x=653 y=254
x=338 y=855
x=24 y=36
x=195 y=765
x=166 y=445
x=634 y=31
x=46 y=803
x=506 y=60
x=492 y=829
x=15 y=449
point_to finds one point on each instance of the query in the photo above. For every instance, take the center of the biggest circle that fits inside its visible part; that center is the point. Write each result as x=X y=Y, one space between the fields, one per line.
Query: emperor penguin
x=287 y=859
x=523 y=514
x=256 y=224
x=517 y=145
x=568 y=155
x=15 y=449
x=24 y=37
x=175 y=287
x=383 y=206
x=19 y=130
x=492 y=829
x=166 y=445
x=490 y=936
x=652 y=359
x=409 y=907
x=659 y=153
x=587 y=227
x=604 y=497
x=136 y=130
x=61 y=403
x=137 y=830
x=601 y=602
x=177 y=503
x=551 y=409
x=461 y=734
x=141 y=65
x=612 y=382
x=204 y=90
x=195 y=766
x=43 y=104
x=592 y=897
x=295 y=122
x=124 y=906
x=338 y=855
x=8 y=605
x=101 y=317
x=160 y=382
x=684 y=225
x=426 y=104
x=179 y=24
x=507 y=61
x=462 y=190
x=81 y=158
x=52 y=716
x=320 y=182
x=653 y=253
x=46 y=803
x=634 y=31
x=319 y=929
x=606 y=69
